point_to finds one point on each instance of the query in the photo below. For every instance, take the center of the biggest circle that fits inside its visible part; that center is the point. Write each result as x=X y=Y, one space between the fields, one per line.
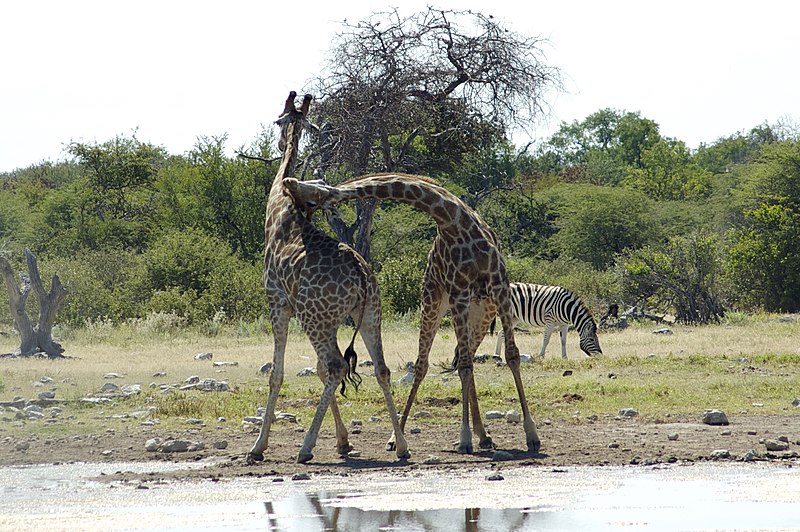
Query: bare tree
x=39 y=338
x=415 y=93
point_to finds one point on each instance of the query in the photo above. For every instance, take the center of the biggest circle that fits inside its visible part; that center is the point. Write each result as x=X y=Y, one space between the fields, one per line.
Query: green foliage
x=522 y=221
x=666 y=172
x=763 y=257
x=400 y=280
x=597 y=223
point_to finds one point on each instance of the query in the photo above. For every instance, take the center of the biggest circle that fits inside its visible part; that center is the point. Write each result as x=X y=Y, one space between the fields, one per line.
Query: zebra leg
x=563 y=333
x=548 y=330
x=500 y=340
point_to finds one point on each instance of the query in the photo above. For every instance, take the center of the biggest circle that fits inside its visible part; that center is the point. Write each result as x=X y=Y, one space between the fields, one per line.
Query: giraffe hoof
x=302 y=458
x=464 y=449
x=534 y=446
x=344 y=449
x=252 y=458
x=404 y=456
x=487 y=443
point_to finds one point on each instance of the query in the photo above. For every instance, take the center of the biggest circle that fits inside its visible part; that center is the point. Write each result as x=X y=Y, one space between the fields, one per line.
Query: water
x=698 y=497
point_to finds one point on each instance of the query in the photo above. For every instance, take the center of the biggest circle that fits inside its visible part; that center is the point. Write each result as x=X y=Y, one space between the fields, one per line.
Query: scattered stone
x=22 y=446
x=180 y=446
x=221 y=364
x=421 y=414
x=749 y=456
x=46 y=380
x=300 y=476
x=547 y=421
x=207 y=385
x=408 y=378
x=354 y=454
x=367 y=363
x=613 y=445
x=720 y=454
x=112 y=376
x=266 y=368
x=107 y=452
x=356 y=430
x=253 y=420
x=612 y=376
x=495 y=476
x=159 y=374
x=47 y=395
x=415 y=430
x=567 y=373
x=194 y=421
x=783 y=438
x=109 y=387
x=221 y=419
x=776 y=445
x=203 y=356
x=796 y=402
x=752 y=432
x=726 y=432
x=481 y=358
x=130 y=389
x=374 y=419
x=525 y=359
x=512 y=416
x=673 y=436
x=501 y=456
x=494 y=414
x=96 y=400
x=194 y=379
x=307 y=372
x=715 y=417
x=356 y=423
x=153 y=444
x=664 y=331
x=285 y=416
x=628 y=412
x=432 y=460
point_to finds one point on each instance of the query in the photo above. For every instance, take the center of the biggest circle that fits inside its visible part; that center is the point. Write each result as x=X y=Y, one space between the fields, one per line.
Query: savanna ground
x=749 y=368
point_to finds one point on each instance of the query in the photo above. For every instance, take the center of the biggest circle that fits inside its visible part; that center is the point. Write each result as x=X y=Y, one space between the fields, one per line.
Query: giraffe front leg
x=280 y=327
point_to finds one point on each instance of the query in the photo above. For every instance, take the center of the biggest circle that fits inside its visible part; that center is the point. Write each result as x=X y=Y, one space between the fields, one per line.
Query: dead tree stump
x=38 y=339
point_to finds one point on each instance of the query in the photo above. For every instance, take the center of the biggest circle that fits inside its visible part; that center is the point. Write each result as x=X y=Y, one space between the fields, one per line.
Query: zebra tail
x=491 y=326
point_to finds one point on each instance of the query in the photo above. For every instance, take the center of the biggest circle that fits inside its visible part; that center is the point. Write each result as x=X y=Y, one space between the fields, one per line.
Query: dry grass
x=734 y=365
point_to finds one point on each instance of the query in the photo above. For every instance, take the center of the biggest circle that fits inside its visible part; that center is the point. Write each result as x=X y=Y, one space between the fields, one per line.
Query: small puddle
x=702 y=496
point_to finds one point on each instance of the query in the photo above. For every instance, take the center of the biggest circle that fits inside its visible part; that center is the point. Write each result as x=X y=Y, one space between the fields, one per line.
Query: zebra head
x=589 y=342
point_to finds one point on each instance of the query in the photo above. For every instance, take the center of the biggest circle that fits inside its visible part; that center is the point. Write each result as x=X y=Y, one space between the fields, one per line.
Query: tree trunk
x=38 y=339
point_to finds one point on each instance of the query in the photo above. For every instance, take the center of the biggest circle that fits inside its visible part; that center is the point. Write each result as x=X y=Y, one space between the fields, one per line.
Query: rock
x=221 y=364
x=749 y=456
x=408 y=378
x=266 y=368
x=673 y=436
x=567 y=373
x=203 y=356
x=159 y=374
x=481 y=358
x=525 y=359
x=356 y=423
x=365 y=364
x=494 y=414
x=495 y=476
x=96 y=400
x=421 y=414
x=664 y=331
x=776 y=445
x=130 y=389
x=207 y=385
x=47 y=395
x=512 y=416
x=109 y=387
x=354 y=454
x=432 y=460
x=286 y=416
x=221 y=419
x=725 y=432
x=253 y=420
x=112 y=376
x=796 y=402
x=628 y=412
x=46 y=380
x=194 y=421
x=307 y=372
x=194 y=379
x=300 y=476
x=502 y=456
x=221 y=444
x=153 y=444
x=22 y=446
x=613 y=445
x=415 y=430
x=374 y=419
x=715 y=417
x=180 y=446
x=720 y=454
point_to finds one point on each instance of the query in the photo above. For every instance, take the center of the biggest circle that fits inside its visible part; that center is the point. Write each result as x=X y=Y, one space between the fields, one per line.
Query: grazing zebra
x=554 y=308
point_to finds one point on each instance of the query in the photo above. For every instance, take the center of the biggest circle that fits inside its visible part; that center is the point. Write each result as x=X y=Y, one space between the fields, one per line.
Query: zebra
x=554 y=308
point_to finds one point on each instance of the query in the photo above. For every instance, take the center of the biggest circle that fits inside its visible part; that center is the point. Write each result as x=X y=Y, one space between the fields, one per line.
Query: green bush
x=400 y=280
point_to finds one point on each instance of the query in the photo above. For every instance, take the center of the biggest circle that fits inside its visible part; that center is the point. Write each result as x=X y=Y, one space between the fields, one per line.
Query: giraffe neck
x=449 y=212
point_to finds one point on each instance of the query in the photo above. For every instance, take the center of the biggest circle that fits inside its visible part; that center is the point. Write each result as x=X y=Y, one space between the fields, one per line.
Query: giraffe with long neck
x=311 y=276
x=465 y=273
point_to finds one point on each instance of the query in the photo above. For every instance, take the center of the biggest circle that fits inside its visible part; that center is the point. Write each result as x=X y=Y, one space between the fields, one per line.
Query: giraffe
x=321 y=281
x=465 y=273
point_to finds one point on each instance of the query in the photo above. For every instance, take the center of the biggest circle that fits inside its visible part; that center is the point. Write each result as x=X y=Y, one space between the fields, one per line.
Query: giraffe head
x=292 y=115
x=308 y=196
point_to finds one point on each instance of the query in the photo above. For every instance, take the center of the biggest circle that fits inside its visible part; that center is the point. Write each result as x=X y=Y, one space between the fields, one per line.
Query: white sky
x=82 y=70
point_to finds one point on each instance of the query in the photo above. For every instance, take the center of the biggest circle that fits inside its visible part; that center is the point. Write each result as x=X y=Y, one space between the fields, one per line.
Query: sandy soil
x=605 y=441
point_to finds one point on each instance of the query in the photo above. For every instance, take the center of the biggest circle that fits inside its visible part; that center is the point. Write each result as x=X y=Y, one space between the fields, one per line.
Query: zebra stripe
x=553 y=307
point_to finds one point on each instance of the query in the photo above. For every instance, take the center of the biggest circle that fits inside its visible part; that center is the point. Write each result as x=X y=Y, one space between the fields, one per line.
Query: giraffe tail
x=351 y=358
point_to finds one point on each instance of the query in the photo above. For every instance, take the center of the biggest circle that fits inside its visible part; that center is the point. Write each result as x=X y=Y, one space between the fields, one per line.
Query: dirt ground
x=605 y=441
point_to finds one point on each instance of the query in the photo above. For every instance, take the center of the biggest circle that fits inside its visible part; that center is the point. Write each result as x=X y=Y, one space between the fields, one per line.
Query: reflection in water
x=324 y=511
